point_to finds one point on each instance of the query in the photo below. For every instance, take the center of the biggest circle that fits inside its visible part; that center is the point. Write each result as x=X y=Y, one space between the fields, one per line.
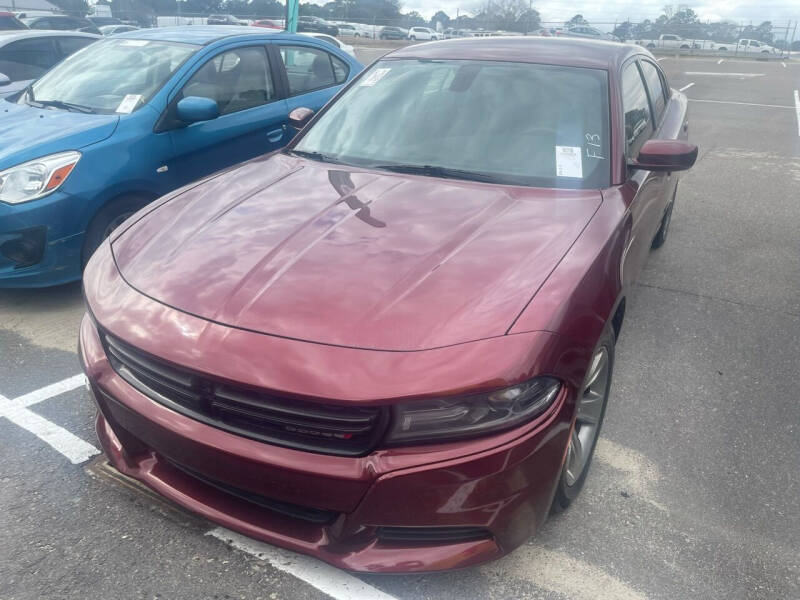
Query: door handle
x=275 y=135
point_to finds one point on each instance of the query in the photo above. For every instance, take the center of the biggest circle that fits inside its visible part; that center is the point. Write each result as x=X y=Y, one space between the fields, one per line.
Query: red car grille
x=294 y=424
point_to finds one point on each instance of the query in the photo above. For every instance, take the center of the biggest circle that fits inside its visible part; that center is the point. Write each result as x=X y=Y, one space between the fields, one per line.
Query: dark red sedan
x=390 y=345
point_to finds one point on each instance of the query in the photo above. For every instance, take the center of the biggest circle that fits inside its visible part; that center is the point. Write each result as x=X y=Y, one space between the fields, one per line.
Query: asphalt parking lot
x=693 y=493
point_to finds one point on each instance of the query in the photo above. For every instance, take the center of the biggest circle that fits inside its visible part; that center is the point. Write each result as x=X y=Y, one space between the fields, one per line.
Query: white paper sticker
x=569 y=161
x=134 y=43
x=128 y=103
x=374 y=77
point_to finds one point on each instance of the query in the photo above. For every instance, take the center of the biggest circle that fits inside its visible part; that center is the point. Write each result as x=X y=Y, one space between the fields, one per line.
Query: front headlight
x=452 y=418
x=36 y=178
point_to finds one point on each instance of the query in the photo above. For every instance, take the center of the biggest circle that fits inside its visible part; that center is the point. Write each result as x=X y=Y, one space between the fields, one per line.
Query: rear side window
x=655 y=87
x=68 y=45
x=10 y=22
x=638 y=124
x=236 y=80
x=27 y=59
x=311 y=69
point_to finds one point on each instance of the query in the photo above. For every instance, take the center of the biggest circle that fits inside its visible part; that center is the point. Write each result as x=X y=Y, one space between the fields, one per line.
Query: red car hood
x=348 y=257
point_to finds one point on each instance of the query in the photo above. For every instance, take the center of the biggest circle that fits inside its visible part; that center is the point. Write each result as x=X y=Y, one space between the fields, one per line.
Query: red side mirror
x=300 y=117
x=665 y=155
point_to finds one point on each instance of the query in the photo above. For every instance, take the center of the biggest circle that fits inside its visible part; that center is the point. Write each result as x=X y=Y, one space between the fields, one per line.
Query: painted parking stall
x=699 y=424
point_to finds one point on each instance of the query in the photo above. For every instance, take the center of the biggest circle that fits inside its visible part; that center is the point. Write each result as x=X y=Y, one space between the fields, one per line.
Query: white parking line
x=337 y=584
x=719 y=74
x=61 y=440
x=48 y=391
x=720 y=61
x=783 y=64
x=662 y=58
x=740 y=103
x=686 y=87
x=797 y=108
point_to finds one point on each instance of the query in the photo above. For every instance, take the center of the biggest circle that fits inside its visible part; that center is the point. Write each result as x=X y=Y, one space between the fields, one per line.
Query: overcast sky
x=637 y=10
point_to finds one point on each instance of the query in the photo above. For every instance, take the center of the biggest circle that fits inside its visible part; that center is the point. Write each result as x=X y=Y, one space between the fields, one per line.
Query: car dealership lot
x=693 y=490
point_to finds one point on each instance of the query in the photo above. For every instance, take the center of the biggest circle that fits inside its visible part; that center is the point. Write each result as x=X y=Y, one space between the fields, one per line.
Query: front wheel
x=413 y=38
x=590 y=410
x=106 y=220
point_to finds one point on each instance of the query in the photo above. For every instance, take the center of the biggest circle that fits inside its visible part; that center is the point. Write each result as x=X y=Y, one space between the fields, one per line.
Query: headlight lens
x=451 y=418
x=36 y=178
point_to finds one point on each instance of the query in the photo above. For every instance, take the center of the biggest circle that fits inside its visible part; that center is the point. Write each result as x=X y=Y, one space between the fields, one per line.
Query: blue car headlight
x=36 y=178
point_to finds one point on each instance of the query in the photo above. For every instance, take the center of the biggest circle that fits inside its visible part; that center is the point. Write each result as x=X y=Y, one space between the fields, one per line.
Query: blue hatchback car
x=130 y=118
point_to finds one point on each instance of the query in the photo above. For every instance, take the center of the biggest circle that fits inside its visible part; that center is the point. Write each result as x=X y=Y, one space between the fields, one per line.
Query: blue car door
x=312 y=75
x=252 y=114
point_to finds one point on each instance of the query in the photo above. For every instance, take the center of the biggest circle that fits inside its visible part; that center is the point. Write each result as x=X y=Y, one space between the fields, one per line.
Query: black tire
x=663 y=230
x=684 y=47
x=723 y=49
x=413 y=38
x=106 y=220
x=651 y=46
x=565 y=493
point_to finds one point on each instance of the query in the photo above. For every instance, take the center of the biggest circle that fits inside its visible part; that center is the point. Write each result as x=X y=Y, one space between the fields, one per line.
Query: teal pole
x=292 y=8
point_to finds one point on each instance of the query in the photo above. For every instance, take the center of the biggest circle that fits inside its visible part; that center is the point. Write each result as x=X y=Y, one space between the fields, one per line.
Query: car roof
x=587 y=53
x=196 y=34
x=12 y=35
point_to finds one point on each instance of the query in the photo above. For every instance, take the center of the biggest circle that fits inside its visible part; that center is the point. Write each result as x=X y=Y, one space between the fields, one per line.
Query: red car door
x=648 y=189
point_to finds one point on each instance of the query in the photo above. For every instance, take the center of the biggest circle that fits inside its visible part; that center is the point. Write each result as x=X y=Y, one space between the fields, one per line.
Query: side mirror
x=4 y=79
x=300 y=117
x=193 y=109
x=665 y=155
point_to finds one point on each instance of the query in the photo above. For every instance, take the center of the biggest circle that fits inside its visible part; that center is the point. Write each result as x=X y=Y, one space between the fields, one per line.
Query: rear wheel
x=591 y=408
x=413 y=38
x=106 y=220
x=651 y=46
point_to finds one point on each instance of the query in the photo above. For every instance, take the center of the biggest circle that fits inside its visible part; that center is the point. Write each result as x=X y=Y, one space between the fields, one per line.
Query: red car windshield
x=501 y=122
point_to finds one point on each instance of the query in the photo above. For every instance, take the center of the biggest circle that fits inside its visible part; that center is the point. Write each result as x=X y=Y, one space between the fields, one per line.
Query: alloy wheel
x=591 y=403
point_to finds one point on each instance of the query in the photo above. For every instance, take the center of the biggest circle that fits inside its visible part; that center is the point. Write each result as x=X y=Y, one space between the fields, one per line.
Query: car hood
x=27 y=132
x=348 y=257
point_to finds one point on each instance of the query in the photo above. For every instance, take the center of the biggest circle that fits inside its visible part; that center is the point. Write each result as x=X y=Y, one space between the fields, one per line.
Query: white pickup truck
x=667 y=40
x=747 y=47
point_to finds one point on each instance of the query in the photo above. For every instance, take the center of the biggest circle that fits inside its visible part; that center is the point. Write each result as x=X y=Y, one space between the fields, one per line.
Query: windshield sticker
x=134 y=43
x=569 y=161
x=374 y=77
x=128 y=103
x=593 y=149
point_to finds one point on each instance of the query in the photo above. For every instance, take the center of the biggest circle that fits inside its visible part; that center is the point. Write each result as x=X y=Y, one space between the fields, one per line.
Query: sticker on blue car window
x=128 y=103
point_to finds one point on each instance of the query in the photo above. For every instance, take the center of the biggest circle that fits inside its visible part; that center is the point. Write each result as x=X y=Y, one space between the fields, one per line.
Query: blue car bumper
x=40 y=242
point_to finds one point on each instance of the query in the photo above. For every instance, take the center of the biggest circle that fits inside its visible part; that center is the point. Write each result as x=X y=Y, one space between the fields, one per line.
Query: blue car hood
x=27 y=132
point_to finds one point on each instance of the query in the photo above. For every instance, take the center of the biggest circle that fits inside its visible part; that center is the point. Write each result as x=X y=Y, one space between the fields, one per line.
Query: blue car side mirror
x=193 y=109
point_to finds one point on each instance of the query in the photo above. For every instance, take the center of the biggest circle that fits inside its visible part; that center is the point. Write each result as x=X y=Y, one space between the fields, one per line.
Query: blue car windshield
x=110 y=76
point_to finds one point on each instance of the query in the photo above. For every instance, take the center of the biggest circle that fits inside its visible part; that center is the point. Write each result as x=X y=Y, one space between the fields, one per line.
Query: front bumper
x=62 y=231
x=386 y=510
x=502 y=487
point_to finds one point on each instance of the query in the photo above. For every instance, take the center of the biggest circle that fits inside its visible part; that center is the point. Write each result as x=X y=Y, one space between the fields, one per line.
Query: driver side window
x=638 y=122
x=237 y=80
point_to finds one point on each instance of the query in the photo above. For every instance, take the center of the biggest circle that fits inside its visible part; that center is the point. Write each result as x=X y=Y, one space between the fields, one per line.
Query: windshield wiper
x=314 y=156
x=59 y=104
x=436 y=171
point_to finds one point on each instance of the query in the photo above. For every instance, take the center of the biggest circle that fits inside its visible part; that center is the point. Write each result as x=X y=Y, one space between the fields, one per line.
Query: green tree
x=440 y=17
x=624 y=31
x=575 y=21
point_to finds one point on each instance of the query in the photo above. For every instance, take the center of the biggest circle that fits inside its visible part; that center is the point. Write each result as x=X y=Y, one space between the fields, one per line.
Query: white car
x=354 y=30
x=333 y=41
x=423 y=33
